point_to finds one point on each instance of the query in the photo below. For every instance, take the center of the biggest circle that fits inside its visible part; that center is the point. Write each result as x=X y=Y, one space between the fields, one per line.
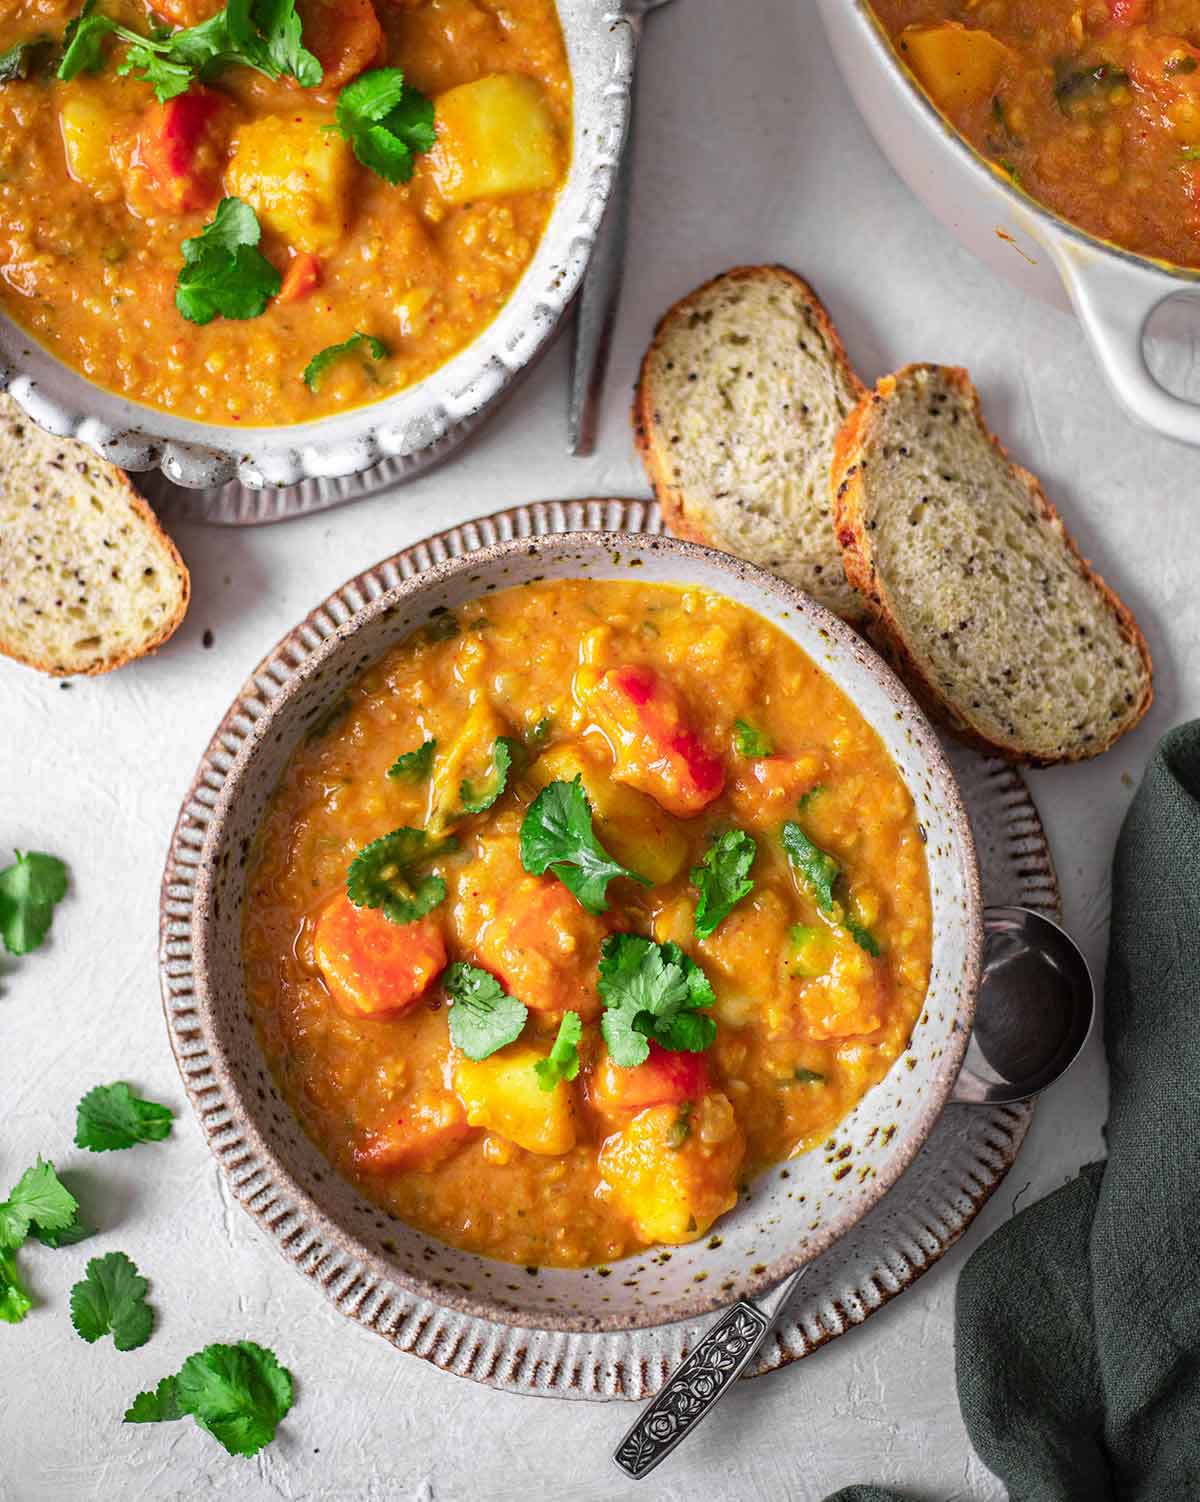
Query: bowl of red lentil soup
x=283 y=241
x=1060 y=141
x=578 y=934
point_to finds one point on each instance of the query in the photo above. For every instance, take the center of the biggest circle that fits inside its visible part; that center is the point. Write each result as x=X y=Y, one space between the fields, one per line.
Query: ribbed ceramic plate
x=965 y=1158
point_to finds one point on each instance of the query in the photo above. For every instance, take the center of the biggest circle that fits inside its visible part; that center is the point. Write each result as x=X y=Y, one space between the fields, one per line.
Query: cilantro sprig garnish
x=477 y=799
x=562 y=1062
x=483 y=1016
x=722 y=879
x=820 y=872
x=749 y=741
x=30 y=889
x=316 y=369
x=239 y=1394
x=224 y=274
x=652 y=991
x=557 y=835
x=111 y=1117
x=386 y=121
x=384 y=875
x=414 y=766
x=112 y=1298
x=261 y=34
x=39 y=1204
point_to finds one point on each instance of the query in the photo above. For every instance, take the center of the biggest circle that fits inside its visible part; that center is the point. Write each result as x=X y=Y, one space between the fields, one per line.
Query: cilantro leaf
x=750 y=742
x=112 y=1117
x=239 y=1393
x=224 y=273
x=816 y=866
x=806 y=798
x=315 y=370
x=722 y=879
x=112 y=1297
x=281 y=31
x=505 y=753
x=557 y=835
x=18 y=62
x=382 y=875
x=68 y=1235
x=39 y=1198
x=654 y=991
x=562 y=1062
x=15 y=1302
x=864 y=938
x=483 y=1017
x=414 y=766
x=803 y=1076
x=29 y=890
x=386 y=122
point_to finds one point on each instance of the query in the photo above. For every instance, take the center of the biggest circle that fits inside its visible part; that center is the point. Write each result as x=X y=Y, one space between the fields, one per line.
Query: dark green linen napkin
x=1078 y=1323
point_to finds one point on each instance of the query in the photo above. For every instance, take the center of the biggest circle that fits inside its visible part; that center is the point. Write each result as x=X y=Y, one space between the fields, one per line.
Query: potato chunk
x=496 y=137
x=295 y=176
x=89 y=124
x=957 y=67
x=674 y=1170
x=504 y=1095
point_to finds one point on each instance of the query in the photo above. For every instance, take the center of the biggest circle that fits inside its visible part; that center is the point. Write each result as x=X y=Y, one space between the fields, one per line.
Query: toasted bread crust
x=671 y=498
x=145 y=515
x=884 y=624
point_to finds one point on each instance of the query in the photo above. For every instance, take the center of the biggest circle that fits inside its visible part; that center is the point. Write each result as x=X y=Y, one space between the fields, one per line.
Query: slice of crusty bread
x=88 y=578
x=741 y=395
x=975 y=588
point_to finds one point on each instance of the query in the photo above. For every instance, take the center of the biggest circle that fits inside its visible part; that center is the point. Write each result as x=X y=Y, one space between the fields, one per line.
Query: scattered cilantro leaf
x=1072 y=85
x=541 y=732
x=112 y=1297
x=562 y=1062
x=18 y=62
x=1188 y=153
x=751 y=742
x=39 y=1198
x=506 y=753
x=804 y=1076
x=317 y=368
x=681 y=1128
x=414 y=766
x=15 y=1302
x=68 y=1235
x=722 y=878
x=224 y=274
x=239 y=1393
x=112 y=1117
x=806 y=798
x=864 y=938
x=29 y=890
x=816 y=866
x=654 y=991
x=383 y=875
x=483 y=1017
x=386 y=122
x=557 y=835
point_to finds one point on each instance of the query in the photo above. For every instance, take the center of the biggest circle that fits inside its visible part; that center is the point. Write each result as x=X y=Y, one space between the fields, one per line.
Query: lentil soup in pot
x=269 y=213
x=588 y=902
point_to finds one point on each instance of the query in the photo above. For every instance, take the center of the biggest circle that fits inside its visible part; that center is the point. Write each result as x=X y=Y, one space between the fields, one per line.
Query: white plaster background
x=748 y=150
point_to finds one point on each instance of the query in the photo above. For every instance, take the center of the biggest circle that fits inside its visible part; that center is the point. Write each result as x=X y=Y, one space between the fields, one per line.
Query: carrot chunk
x=181 y=147
x=656 y=750
x=344 y=35
x=374 y=968
x=545 y=947
x=302 y=277
x=665 y=1078
x=426 y=1131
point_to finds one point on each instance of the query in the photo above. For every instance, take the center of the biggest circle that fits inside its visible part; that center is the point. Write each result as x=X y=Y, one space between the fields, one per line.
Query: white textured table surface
x=748 y=150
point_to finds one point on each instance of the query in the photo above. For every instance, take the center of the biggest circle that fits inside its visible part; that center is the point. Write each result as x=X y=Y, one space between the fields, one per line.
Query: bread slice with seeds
x=88 y=578
x=740 y=398
x=975 y=588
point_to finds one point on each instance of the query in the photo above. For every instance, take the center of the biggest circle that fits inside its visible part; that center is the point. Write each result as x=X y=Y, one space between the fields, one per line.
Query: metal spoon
x=1034 y=1013
x=597 y=313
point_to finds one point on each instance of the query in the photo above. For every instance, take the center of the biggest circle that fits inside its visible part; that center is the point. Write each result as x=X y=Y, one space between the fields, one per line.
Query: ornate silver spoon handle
x=701 y=1380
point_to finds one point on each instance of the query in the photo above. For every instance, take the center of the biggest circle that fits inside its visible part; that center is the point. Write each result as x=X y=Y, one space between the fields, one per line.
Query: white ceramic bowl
x=601 y=44
x=791 y=1214
x=1113 y=291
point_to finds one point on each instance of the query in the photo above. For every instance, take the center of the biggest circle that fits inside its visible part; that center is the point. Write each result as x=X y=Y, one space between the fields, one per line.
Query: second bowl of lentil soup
x=290 y=240
x=597 y=907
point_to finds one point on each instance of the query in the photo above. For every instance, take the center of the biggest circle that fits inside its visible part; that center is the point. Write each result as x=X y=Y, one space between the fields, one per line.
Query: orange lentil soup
x=523 y=1050
x=1091 y=106
x=100 y=185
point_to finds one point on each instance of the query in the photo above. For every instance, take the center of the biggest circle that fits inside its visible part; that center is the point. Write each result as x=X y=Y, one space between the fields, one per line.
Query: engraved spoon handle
x=701 y=1380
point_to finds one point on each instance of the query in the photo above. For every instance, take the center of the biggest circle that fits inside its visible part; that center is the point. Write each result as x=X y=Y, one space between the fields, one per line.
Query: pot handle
x=1115 y=300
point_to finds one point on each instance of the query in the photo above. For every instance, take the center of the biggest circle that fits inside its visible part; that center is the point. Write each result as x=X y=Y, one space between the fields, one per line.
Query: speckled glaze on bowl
x=790 y=1215
x=416 y=426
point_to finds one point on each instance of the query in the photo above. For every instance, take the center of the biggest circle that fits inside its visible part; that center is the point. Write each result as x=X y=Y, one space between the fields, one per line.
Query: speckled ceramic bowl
x=415 y=426
x=789 y=1216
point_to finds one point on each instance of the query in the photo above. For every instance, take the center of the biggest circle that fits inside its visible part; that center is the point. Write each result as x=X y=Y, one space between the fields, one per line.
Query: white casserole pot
x=600 y=43
x=1113 y=291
